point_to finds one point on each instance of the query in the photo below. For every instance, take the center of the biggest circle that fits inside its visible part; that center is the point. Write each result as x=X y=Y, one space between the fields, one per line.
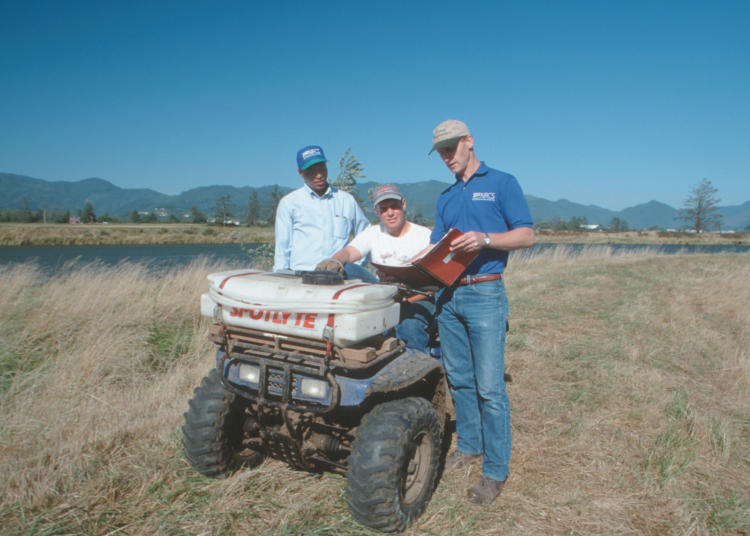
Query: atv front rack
x=280 y=364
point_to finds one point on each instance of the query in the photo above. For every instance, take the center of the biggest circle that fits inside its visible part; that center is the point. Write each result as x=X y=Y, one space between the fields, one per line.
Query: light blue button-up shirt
x=311 y=227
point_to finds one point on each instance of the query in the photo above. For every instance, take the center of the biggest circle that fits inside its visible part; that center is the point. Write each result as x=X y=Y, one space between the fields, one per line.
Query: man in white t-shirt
x=394 y=241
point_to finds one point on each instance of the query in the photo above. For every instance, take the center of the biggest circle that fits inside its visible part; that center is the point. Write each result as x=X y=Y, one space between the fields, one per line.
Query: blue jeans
x=355 y=271
x=417 y=321
x=471 y=322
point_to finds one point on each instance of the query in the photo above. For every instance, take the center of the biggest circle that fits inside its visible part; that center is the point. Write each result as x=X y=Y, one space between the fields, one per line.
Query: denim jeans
x=471 y=323
x=417 y=321
x=355 y=271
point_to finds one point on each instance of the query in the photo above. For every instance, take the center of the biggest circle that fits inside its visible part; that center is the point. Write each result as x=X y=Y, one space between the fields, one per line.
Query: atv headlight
x=249 y=373
x=314 y=388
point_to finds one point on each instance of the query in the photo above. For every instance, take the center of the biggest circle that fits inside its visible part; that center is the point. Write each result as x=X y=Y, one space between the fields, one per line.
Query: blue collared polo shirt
x=491 y=201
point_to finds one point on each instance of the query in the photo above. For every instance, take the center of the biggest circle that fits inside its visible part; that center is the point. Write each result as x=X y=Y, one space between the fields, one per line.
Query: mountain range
x=62 y=196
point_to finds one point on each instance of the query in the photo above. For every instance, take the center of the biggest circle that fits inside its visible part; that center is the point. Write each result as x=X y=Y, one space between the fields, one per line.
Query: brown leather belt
x=471 y=279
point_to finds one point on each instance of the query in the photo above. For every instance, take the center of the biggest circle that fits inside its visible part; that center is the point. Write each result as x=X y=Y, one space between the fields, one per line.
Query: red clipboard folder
x=439 y=266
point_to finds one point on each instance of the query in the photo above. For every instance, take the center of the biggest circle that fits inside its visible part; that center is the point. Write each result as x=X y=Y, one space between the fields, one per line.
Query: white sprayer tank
x=345 y=313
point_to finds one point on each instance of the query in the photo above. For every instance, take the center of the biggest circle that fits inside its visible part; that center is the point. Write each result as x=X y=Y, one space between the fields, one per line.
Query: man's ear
x=403 y=204
x=470 y=141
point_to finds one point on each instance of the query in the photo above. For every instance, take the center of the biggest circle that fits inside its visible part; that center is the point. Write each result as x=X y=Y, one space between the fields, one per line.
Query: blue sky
x=599 y=102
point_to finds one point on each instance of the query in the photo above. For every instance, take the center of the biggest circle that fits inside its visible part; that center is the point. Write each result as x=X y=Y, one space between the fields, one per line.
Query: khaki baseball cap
x=448 y=133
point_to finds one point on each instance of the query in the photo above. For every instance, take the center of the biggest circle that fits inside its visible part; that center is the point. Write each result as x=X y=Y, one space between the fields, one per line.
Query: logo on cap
x=310 y=155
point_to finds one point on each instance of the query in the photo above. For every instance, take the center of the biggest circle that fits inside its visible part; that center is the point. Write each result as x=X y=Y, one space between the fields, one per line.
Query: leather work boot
x=485 y=490
x=458 y=460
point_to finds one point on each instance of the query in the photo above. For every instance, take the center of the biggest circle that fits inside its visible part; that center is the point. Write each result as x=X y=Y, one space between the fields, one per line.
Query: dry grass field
x=629 y=399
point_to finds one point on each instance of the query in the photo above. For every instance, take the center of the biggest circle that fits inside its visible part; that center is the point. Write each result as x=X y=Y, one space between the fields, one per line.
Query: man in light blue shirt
x=314 y=221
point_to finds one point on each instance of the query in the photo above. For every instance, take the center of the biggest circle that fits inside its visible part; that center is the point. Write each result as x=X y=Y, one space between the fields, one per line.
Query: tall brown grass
x=629 y=398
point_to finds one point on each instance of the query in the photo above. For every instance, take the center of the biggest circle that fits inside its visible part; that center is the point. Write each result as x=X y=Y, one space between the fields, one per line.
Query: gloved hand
x=332 y=265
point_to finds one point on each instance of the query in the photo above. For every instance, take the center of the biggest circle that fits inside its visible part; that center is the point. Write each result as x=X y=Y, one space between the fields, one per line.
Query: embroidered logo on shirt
x=483 y=196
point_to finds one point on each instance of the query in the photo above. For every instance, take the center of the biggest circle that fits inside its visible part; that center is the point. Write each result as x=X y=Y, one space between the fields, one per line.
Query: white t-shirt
x=391 y=250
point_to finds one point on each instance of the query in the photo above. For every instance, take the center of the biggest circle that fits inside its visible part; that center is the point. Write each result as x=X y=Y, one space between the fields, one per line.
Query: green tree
x=700 y=211
x=275 y=198
x=253 y=209
x=196 y=216
x=26 y=216
x=88 y=215
x=221 y=210
x=173 y=218
x=416 y=217
x=135 y=217
x=573 y=224
x=616 y=225
x=350 y=169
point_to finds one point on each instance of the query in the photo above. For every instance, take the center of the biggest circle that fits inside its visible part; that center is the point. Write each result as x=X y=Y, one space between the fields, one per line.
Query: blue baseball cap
x=310 y=155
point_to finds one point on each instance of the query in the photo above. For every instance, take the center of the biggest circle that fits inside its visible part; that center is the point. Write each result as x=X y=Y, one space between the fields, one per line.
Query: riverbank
x=629 y=395
x=115 y=234
x=54 y=234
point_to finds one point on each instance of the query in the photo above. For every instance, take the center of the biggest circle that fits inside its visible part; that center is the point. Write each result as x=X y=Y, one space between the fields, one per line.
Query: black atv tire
x=393 y=466
x=213 y=431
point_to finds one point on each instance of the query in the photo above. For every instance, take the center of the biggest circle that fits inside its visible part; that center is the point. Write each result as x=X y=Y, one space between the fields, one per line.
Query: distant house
x=591 y=226
x=74 y=219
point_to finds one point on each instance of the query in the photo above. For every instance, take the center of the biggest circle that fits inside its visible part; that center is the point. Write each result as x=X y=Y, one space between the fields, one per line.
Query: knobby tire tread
x=213 y=428
x=380 y=452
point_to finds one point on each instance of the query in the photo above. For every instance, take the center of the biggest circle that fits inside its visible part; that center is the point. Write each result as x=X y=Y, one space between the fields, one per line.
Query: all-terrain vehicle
x=306 y=372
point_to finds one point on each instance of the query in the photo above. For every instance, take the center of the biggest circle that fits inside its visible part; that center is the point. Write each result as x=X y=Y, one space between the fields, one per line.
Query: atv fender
x=409 y=368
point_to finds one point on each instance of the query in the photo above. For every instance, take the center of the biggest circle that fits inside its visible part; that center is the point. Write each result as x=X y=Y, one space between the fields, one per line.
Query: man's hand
x=332 y=265
x=468 y=242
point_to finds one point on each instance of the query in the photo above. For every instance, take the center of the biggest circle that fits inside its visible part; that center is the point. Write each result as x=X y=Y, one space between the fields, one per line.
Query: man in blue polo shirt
x=314 y=221
x=489 y=207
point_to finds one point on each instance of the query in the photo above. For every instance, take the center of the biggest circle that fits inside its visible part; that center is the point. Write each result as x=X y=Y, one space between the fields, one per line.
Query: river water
x=54 y=258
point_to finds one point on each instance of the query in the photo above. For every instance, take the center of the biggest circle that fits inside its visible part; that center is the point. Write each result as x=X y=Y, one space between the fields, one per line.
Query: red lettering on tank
x=304 y=320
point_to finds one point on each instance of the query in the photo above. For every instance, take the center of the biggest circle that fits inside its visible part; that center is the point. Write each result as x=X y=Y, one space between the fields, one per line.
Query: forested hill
x=21 y=192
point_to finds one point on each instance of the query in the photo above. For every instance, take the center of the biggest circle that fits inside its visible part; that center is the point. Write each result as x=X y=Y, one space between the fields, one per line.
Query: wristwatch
x=486 y=240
